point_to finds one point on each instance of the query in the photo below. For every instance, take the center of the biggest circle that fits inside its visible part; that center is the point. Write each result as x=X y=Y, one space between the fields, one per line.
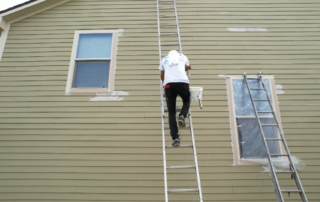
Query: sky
x=4 y=4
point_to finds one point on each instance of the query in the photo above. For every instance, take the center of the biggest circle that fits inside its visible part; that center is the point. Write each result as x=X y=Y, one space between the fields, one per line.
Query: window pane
x=94 y=46
x=92 y=74
x=251 y=143
x=243 y=105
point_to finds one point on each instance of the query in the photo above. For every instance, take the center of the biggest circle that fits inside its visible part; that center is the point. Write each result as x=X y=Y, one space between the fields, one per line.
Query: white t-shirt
x=175 y=73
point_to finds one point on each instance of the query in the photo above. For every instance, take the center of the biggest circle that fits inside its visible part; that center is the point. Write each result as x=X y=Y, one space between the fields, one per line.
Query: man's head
x=173 y=52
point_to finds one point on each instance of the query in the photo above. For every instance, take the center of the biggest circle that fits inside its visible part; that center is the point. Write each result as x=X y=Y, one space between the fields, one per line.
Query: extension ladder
x=273 y=172
x=172 y=8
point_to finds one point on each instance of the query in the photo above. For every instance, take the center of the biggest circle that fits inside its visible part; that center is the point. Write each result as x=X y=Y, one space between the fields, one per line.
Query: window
x=92 y=65
x=246 y=137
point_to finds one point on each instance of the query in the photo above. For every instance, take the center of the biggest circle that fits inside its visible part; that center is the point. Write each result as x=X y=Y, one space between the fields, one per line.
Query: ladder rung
x=265 y=112
x=166 y=0
x=256 y=88
x=182 y=190
x=169 y=34
x=273 y=139
x=166 y=8
x=181 y=167
x=181 y=146
x=261 y=100
x=180 y=128
x=168 y=25
x=284 y=172
x=269 y=125
x=278 y=154
x=170 y=44
x=167 y=16
x=291 y=191
x=177 y=109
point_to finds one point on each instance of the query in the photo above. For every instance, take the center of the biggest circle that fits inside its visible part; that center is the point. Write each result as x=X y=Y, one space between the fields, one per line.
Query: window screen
x=250 y=140
x=93 y=61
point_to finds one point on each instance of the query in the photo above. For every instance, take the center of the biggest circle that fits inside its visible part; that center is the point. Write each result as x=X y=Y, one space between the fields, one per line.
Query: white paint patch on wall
x=114 y=96
x=120 y=32
x=247 y=29
x=222 y=76
x=279 y=90
x=279 y=87
x=106 y=98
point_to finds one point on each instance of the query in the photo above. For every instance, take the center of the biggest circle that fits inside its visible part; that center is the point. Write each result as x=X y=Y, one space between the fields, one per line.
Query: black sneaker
x=176 y=143
x=181 y=121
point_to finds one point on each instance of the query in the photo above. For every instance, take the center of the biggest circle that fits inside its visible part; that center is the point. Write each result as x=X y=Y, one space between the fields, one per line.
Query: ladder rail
x=162 y=113
x=162 y=110
x=272 y=171
x=296 y=176
x=195 y=157
x=177 y=23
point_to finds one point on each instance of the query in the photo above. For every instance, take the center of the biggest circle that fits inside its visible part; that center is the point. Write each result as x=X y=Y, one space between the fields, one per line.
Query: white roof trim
x=30 y=9
x=22 y=7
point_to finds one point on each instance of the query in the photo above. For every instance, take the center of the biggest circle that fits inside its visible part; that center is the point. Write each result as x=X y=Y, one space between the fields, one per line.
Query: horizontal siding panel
x=131 y=167
x=205 y=30
x=148 y=98
x=103 y=150
x=104 y=160
x=34 y=71
x=79 y=132
x=127 y=109
x=99 y=190
x=134 y=197
x=173 y=177
x=155 y=71
x=182 y=18
x=111 y=144
x=137 y=120
x=140 y=114
x=47 y=53
x=212 y=15
x=106 y=138
x=107 y=183
x=16 y=79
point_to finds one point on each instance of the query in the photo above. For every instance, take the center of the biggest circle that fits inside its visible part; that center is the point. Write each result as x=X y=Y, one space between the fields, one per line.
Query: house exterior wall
x=57 y=147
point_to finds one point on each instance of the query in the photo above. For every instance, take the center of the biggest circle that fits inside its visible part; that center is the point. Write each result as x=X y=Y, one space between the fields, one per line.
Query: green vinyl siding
x=62 y=148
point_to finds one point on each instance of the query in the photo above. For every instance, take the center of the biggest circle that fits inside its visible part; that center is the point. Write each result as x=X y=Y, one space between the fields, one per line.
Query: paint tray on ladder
x=196 y=94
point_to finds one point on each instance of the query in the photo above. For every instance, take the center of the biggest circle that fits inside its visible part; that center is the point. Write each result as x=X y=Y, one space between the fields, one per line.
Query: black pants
x=172 y=90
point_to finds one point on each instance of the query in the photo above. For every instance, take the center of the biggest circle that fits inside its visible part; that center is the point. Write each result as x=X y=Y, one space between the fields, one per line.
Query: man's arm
x=188 y=67
x=161 y=68
x=162 y=75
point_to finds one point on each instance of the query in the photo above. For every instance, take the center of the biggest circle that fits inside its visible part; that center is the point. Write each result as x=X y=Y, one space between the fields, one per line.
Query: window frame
x=73 y=60
x=233 y=122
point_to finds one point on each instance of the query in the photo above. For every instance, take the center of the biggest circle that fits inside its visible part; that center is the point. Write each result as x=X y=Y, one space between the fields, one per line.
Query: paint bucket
x=196 y=93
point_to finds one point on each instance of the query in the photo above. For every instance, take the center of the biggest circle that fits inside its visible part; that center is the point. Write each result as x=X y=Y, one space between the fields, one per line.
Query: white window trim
x=233 y=125
x=70 y=79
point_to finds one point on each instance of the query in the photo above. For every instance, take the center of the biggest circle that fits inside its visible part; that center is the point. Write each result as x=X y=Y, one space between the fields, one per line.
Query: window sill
x=81 y=91
x=245 y=162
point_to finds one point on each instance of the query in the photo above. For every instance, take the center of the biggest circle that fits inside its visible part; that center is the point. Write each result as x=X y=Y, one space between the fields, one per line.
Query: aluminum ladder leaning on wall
x=168 y=6
x=273 y=172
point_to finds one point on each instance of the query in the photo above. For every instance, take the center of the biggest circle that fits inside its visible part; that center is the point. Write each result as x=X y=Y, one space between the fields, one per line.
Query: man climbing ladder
x=176 y=82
